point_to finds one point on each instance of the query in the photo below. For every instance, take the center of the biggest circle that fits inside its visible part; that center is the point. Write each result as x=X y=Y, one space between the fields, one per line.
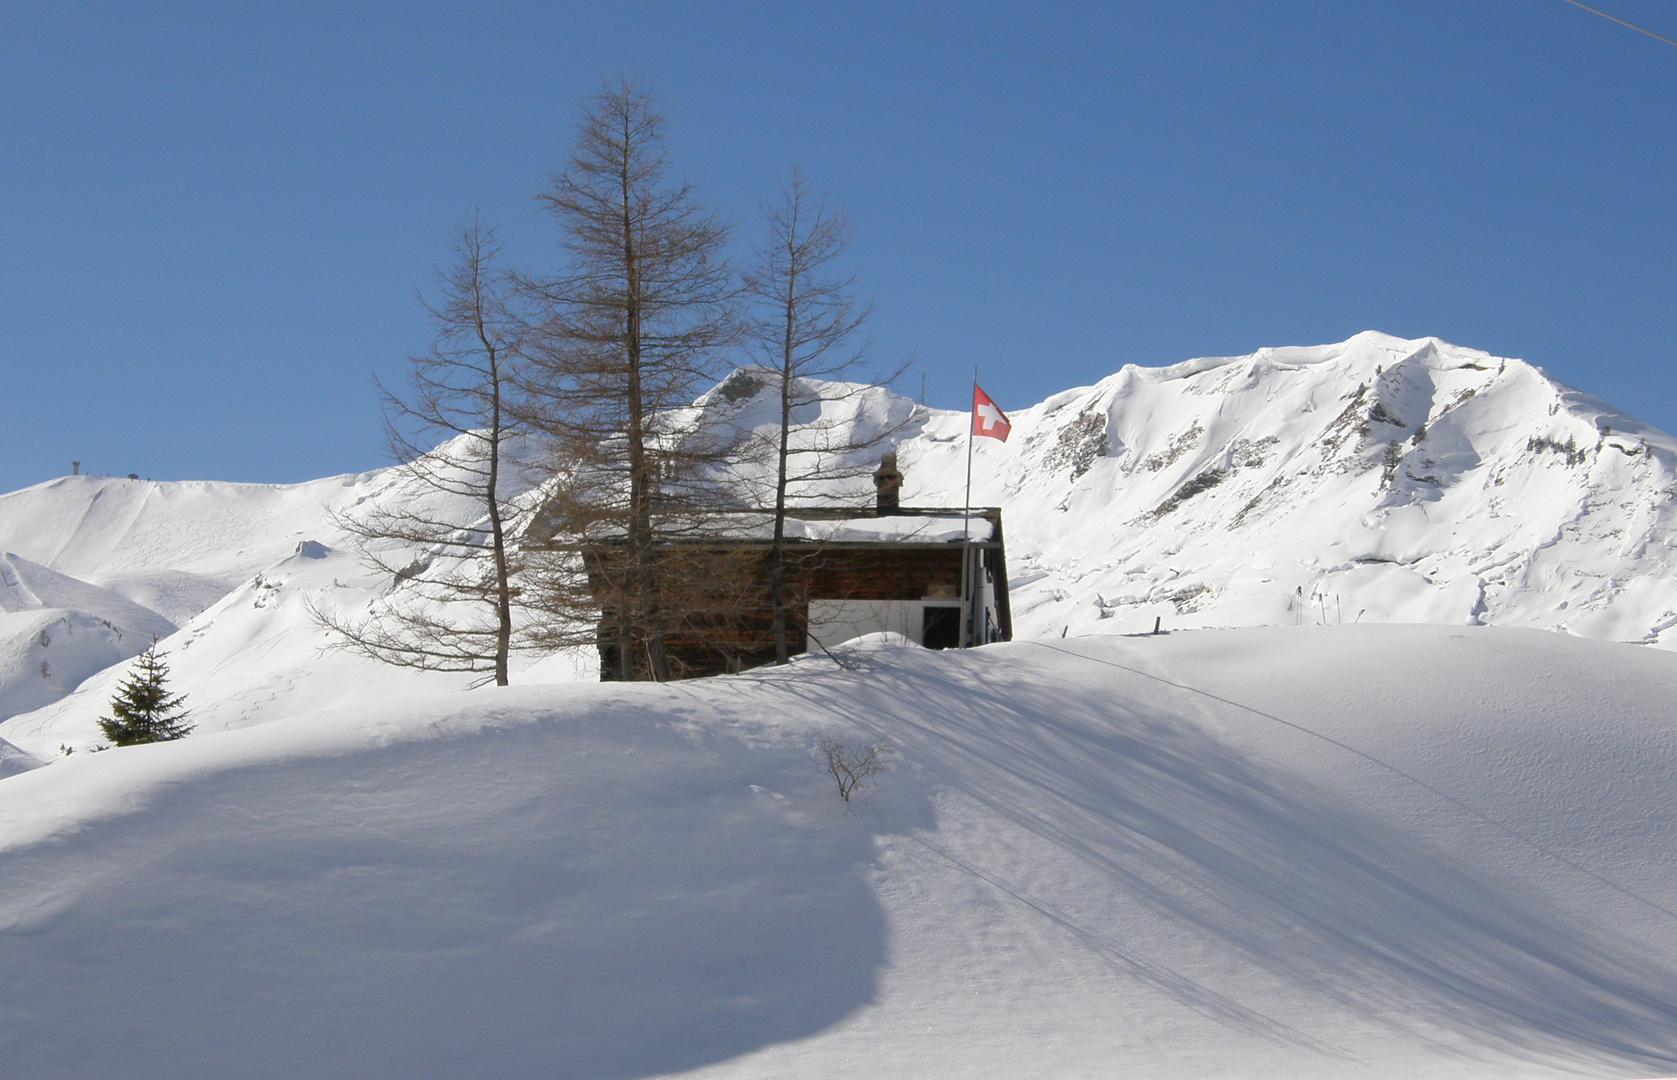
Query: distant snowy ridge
x=55 y=631
x=1379 y=479
x=125 y=559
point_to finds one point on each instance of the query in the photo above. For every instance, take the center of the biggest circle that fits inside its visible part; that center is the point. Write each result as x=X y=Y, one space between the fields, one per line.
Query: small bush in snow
x=854 y=766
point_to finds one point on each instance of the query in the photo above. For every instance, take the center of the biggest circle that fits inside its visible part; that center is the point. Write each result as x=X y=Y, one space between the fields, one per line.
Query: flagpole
x=966 y=530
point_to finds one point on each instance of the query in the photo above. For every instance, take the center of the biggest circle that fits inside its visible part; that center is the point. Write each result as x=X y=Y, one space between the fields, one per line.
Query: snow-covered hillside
x=1376 y=480
x=1372 y=851
x=56 y=630
x=235 y=566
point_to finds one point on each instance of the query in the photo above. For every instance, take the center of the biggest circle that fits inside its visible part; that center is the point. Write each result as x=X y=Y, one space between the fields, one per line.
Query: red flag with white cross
x=987 y=420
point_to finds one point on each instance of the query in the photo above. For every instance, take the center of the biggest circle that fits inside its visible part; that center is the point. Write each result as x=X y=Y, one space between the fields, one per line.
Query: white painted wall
x=834 y=621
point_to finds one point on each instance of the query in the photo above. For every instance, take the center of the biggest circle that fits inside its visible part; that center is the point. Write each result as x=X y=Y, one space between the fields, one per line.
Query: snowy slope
x=164 y=552
x=259 y=655
x=201 y=555
x=181 y=545
x=55 y=631
x=175 y=547
x=1376 y=851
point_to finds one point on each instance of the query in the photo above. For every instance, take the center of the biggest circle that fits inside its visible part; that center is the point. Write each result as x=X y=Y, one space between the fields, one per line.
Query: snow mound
x=881 y=639
x=13 y=760
x=1283 y=852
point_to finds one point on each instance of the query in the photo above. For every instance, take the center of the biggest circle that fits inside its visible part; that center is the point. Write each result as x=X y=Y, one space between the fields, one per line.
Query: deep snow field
x=1287 y=852
x=1395 y=797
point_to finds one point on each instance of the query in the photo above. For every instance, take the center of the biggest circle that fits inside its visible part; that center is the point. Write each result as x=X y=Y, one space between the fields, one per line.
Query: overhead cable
x=1621 y=22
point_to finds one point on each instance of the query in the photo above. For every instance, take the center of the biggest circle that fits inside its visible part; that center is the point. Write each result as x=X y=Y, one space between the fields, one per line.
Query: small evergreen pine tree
x=143 y=710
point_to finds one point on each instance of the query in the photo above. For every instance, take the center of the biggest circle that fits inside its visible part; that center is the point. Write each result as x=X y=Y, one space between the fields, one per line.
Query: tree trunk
x=492 y=495
x=777 y=552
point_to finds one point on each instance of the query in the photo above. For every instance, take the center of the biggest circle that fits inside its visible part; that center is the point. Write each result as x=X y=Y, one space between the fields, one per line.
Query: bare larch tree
x=633 y=327
x=446 y=542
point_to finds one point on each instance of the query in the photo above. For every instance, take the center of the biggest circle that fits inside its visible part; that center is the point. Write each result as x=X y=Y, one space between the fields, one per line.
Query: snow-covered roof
x=900 y=529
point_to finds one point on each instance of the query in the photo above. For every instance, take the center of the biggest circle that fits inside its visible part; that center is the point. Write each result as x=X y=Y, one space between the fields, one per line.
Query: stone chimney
x=888 y=482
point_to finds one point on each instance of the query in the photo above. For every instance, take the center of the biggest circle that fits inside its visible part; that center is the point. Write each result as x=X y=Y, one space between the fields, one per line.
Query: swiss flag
x=988 y=420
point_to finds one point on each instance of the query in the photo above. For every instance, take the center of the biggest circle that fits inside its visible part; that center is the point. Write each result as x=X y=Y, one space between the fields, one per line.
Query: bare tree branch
x=807 y=330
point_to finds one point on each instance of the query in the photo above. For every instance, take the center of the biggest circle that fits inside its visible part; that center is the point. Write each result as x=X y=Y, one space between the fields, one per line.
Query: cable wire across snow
x=1446 y=796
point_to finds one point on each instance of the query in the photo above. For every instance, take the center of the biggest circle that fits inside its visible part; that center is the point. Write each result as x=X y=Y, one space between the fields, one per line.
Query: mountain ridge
x=1504 y=495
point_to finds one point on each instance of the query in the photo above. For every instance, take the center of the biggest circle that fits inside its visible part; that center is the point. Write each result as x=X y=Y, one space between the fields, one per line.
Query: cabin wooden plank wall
x=900 y=573
x=732 y=628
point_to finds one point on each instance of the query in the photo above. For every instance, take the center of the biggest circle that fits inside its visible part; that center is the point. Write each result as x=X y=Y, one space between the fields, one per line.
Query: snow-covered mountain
x=1376 y=480
x=1379 y=479
x=235 y=566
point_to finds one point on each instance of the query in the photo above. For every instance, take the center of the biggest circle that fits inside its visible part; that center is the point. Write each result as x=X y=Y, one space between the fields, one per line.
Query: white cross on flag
x=986 y=418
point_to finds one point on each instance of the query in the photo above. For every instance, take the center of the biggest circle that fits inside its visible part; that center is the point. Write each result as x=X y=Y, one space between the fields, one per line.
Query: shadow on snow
x=524 y=902
x=1315 y=891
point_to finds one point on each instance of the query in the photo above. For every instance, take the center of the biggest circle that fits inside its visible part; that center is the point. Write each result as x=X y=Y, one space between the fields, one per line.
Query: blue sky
x=214 y=218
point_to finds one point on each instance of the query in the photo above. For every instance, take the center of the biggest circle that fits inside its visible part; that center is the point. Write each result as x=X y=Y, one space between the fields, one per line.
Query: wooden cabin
x=849 y=572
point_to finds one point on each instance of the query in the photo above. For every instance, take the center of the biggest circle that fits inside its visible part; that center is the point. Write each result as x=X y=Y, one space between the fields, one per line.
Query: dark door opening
x=940 y=627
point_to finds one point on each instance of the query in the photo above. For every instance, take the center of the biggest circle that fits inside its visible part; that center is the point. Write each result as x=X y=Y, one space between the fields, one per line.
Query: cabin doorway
x=940 y=627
